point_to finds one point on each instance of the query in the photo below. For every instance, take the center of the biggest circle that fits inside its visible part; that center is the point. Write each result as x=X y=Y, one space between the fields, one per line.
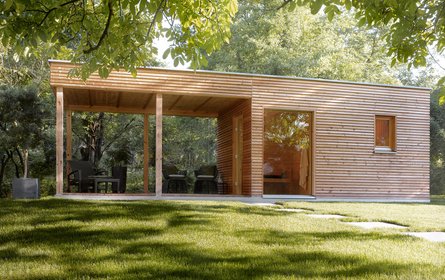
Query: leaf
x=361 y=22
x=8 y=4
x=166 y=53
x=330 y=15
x=316 y=6
x=42 y=35
x=441 y=81
x=292 y=6
x=442 y=97
x=393 y=62
x=176 y=62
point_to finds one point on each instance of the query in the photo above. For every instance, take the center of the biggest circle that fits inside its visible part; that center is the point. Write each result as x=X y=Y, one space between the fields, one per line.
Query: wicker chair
x=174 y=180
x=78 y=177
x=206 y=179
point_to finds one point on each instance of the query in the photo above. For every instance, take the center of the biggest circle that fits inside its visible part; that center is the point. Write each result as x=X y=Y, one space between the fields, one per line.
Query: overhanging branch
x=104 y=32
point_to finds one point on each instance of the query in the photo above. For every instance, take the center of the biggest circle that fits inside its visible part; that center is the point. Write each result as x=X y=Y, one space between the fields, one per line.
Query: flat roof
x=266 y=76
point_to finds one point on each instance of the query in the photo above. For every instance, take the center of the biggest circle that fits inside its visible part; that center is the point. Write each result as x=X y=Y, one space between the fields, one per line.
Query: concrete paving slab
x=290 y=210
x=326 y=216
x=372 y=225
x=262 y=204
x=430 y=236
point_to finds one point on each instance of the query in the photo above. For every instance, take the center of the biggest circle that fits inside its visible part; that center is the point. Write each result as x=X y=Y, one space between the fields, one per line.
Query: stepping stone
x=262 y=204
x=290 y=210
x=430 y=236
x=372 y=225
x=326 y=216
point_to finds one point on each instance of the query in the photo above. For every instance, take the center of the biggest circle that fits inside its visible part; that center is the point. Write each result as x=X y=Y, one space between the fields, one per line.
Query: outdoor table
x=97 y=179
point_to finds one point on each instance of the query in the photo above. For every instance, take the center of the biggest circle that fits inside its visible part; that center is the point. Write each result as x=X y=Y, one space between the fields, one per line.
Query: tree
x=189 y=142
x=413 y=26
x=21 y=124
x=111 y=34
x=437 y=140
x=95 y=134
x=269 y=40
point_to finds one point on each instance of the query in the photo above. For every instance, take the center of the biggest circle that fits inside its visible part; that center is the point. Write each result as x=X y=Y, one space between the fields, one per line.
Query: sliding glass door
x=287 y=152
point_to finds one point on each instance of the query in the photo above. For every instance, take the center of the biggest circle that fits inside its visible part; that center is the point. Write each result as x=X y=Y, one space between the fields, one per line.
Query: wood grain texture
x=225 y=146
x=146 y=151
x=59 y=140
x=158 y=144
x=345 y=163
x=69 y=141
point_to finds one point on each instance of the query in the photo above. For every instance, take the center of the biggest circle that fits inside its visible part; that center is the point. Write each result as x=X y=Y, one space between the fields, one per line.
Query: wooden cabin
x=277 y=137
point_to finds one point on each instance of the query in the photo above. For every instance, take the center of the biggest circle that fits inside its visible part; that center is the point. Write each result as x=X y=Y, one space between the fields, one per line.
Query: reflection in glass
x=287 y=152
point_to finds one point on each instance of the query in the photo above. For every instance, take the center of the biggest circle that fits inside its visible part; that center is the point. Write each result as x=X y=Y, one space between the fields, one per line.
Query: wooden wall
x=225 y=145
x=345 y=165
x=149 y=81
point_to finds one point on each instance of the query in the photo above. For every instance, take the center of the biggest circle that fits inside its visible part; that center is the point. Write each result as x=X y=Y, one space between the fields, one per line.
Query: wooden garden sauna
x=276 y=136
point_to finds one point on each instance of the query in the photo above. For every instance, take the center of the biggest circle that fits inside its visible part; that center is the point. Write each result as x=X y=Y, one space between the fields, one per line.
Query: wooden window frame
x=392 y=148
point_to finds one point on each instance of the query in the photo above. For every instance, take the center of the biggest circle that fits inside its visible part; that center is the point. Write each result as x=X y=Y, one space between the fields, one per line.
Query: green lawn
x=417 y=216
x=64 y=239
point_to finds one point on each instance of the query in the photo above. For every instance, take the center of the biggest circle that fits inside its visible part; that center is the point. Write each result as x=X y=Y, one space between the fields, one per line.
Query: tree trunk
x=25 y=163
x=17 y=169
x=99 y=139
x=4 y=160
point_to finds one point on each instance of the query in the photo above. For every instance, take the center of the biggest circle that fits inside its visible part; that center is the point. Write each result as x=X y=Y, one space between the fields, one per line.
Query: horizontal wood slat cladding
x=157 y=81
x=345 y=162
x=225 y=145
x=346 y=165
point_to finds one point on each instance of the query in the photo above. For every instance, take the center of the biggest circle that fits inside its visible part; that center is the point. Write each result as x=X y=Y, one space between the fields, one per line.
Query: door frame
x=313 y=149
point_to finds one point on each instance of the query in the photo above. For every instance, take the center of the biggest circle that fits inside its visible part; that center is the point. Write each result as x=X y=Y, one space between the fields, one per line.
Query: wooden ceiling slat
x=202 y=104
x=118 y=102
x=176 y=102
x=89 y=99
x=148 y=102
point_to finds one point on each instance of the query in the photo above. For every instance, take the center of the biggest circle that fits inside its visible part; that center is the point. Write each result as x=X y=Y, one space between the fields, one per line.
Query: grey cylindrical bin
x=25 y=188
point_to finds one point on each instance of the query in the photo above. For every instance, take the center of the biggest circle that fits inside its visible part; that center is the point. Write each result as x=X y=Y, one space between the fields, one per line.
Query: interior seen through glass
x=287 y=152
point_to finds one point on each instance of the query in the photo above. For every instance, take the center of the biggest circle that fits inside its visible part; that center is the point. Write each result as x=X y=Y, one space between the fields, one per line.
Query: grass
x=65 y=239
x=417 y=216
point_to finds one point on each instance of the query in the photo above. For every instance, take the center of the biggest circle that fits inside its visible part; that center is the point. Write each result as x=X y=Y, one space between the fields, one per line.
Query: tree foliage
x=21 y=122
x=270 y=40
x=437 y=141
x=413 y=25
x=111 y=34
x=189 y=142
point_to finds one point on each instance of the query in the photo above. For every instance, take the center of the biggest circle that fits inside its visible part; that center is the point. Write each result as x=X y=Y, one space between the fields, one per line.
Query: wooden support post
x=69 y=137
x=69 y=141
x=59 y=140
x=146 y=150
x=158 y=144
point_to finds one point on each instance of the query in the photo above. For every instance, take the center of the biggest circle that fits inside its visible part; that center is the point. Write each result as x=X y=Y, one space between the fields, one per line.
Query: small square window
x=385 y=133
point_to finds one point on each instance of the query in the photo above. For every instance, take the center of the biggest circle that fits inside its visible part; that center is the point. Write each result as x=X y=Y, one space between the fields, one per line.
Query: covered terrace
x=160 y=92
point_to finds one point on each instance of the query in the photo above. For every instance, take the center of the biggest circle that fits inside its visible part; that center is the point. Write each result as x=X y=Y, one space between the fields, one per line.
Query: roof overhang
x=184 y=92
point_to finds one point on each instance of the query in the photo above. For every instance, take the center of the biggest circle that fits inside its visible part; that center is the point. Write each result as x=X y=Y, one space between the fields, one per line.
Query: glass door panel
x=287 y=152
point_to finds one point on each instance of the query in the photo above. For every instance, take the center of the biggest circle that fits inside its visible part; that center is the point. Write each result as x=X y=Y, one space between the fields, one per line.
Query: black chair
x=206 y=179
x=174 y=180
x=80 y=171
x=119 y=172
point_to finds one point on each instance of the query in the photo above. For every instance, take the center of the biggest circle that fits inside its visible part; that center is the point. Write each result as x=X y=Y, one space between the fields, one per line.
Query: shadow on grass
x=156 y=239
x=197 y=264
